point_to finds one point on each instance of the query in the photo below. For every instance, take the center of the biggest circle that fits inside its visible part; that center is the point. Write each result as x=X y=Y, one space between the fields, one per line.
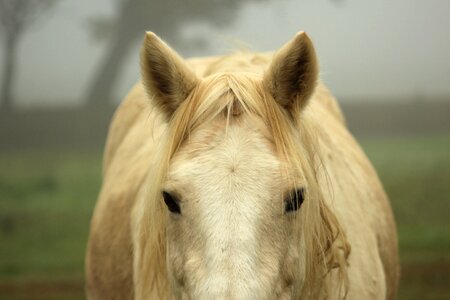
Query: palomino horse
x=235 y=177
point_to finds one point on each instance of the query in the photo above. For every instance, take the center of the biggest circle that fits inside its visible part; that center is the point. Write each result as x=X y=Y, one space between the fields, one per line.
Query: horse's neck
x=201 y=64
x=240 y=61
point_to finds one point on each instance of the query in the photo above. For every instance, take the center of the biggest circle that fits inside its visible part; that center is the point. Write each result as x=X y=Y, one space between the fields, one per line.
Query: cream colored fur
x=231 y=136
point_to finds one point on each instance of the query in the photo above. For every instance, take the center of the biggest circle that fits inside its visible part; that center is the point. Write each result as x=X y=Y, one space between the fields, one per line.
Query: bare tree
x=133 y=17
x=16 y=16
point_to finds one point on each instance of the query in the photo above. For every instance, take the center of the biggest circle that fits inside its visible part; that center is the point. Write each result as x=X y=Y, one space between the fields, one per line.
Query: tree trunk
x=9 y=59
x=100 y=91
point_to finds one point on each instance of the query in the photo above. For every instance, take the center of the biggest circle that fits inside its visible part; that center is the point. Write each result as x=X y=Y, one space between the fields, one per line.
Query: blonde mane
x=229 y=93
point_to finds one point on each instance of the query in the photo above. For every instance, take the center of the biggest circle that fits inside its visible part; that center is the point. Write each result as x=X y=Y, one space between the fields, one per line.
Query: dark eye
x=172 y=203
x=294 y=200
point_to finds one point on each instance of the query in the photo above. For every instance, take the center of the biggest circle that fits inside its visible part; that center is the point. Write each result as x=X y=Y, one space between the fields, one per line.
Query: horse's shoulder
x=129 y=112
x=109 y=256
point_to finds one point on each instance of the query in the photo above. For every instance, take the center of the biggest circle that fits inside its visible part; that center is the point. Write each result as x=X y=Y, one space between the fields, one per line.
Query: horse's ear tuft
x=167 y=79
x=292 y=75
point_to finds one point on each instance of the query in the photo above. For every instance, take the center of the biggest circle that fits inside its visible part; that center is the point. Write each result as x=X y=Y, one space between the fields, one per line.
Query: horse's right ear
x=167 y=79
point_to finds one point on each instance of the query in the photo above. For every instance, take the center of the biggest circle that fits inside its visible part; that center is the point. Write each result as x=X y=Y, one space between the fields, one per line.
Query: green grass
x=416 y=176
x=46 y=200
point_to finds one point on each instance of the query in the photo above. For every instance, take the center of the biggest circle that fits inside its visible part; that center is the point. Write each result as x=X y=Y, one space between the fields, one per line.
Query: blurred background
x=65 y=65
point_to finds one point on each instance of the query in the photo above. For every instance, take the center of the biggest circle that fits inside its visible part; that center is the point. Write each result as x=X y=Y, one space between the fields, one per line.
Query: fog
x=70 y=62
x=368 y=50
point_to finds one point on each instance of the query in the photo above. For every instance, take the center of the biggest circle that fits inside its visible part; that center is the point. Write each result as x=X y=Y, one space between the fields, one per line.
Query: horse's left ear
x=292 y=75
x=166 y=77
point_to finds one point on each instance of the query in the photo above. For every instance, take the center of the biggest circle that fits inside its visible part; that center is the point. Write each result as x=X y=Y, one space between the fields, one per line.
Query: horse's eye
x=294 y=200
x=172 y=203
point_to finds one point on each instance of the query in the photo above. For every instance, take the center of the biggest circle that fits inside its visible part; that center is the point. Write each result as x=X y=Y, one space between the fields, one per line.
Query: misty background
x=79 y=52
x=66 y=65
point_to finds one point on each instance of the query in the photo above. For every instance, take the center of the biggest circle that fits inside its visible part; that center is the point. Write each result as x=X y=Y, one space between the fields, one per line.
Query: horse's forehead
x=220 y=147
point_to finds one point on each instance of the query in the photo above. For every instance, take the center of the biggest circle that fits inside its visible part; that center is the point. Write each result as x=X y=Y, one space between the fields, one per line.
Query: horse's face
x=231 y=200
x=229 y=231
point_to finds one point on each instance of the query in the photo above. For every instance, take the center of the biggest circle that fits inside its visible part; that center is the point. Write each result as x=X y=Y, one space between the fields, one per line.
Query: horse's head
x=243 y=215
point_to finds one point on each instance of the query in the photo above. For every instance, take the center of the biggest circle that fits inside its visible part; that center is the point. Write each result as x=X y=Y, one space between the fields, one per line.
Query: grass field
x=46 y=199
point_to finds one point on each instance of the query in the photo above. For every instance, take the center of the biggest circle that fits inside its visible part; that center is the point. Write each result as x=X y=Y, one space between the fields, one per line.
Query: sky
x=368 y=50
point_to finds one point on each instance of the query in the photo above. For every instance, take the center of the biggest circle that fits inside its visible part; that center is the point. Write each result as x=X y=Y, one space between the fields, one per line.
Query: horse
x=236 y=177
